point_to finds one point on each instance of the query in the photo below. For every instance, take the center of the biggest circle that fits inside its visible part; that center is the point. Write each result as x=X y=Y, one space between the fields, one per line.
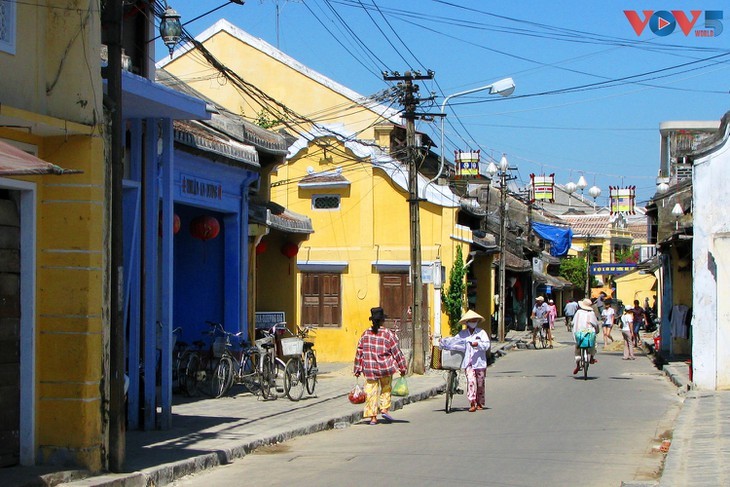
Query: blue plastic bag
x=585 y=339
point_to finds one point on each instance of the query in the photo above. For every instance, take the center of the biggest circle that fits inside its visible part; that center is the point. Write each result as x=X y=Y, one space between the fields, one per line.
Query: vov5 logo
x=663 y=22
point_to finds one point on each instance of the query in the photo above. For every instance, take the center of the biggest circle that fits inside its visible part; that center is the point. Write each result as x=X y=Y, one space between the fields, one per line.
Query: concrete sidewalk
x=211 y=432
x=699 y=453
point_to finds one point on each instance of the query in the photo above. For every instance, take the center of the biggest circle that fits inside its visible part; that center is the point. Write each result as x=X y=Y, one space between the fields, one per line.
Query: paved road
x=542 y=427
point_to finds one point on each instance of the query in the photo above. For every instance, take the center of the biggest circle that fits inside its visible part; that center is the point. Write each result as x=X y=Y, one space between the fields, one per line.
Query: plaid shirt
x=378 y=355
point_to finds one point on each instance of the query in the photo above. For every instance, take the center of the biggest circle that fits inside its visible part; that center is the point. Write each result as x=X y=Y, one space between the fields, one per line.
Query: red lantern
x=289 y=249
x=205 y=227
x=262 y=247
x=175 y=224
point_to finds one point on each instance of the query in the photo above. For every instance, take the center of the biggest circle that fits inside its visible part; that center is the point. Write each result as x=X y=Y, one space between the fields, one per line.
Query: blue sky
x=590 y=92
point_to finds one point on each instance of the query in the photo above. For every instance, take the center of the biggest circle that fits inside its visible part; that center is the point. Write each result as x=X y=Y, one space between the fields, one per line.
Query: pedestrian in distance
x=540 y=319
x=601 y=302
x=378 y=357
x=584 y=321
x=627 y=331
x=638 y=313
x=569 y=311
x=607 y=316
x=475 y=344
x=552 y=314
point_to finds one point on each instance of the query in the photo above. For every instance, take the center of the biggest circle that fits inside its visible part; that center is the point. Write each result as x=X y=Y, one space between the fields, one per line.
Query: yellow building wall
x=297 y=91
x=635 y=285
x=71 y=305
x=49 y=71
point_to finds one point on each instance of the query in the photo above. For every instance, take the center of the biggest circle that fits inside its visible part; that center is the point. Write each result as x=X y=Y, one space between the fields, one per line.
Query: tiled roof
x=324 y=179
x=596 y=225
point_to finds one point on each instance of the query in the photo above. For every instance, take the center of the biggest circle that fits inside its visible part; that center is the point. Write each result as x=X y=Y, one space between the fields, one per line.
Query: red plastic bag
x=357 y=395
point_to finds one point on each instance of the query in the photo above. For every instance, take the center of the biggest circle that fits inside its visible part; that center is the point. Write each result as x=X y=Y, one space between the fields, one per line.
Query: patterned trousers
x=475 y=385
x=378 y=396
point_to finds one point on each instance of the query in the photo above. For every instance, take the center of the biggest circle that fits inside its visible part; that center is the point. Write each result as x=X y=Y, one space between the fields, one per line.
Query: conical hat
x=471 y=315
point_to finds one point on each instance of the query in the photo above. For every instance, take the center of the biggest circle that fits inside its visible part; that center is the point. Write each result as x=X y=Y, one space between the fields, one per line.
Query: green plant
x=627 y=256
x=453 y=296
x=263 y=120
x=574 y=270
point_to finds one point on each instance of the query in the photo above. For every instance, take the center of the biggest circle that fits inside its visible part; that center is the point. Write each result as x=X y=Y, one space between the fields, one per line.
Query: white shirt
x=584 y=320
x=626 y=321
x=474 y=356
x=608 y=314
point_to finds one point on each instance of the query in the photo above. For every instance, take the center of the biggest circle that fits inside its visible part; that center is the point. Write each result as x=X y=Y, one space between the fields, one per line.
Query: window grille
x=326 y=202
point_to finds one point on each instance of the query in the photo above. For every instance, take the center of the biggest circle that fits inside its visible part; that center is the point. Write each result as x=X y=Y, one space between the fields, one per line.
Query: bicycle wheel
x=267 y=377
x=250 y=372
x=222 y=378
x=586 y=361
x=178 y=371
x=294 y=379
x=310 y=371
x=451 y=386
x=543 y=337
x=191 y=375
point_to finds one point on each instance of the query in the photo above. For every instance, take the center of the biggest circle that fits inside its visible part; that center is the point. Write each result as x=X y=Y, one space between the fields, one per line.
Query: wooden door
x=9 y=332
x=321 y=301
x=396 y=299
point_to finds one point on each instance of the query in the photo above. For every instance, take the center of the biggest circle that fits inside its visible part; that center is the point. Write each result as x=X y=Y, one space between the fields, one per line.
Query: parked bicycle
x=271 y=368
x=202 y=363
x=301 y=368
x=237 y=366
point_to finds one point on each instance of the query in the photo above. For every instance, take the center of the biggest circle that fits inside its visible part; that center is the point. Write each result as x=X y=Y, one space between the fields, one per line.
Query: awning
x=556 y=282
x=17 y=162
x=514 y=263
x=559 y=237
x=279 y=218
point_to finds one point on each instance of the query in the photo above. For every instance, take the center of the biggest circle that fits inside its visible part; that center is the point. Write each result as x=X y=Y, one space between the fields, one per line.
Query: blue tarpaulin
x=560 y=238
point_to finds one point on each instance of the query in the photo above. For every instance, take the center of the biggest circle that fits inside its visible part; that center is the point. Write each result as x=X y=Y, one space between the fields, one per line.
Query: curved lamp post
x=504 y=87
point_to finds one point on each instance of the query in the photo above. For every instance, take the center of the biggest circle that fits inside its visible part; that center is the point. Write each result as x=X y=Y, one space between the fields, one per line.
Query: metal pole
x=502 y=254
x=415 y=227
x=117 y=444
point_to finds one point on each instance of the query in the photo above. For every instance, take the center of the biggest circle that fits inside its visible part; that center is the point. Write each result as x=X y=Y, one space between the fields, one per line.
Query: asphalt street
x=542 y=426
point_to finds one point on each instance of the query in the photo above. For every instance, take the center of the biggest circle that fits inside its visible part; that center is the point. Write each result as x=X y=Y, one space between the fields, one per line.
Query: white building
x=711 y=259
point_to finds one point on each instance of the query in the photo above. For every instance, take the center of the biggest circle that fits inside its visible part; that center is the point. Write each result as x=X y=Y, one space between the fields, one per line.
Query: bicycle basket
x=291 y=347
x=451 y=359
x=263 y=341
x=219 y=346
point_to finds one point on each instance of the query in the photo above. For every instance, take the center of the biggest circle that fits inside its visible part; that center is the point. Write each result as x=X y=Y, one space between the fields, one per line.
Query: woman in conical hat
x=474 y=342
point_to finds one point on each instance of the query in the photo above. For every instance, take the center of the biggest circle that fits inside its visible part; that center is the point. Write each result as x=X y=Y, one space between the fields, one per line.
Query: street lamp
x=503 y=173
x=595 y=192
x=504 y=87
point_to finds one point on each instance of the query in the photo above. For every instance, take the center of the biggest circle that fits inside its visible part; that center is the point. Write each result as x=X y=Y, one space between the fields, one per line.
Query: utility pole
x=409 y=100
x=112 y=29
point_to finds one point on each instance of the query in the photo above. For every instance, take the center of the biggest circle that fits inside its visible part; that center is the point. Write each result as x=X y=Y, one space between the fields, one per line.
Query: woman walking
x=627 y=330
x=475 y=344
x=378 y=357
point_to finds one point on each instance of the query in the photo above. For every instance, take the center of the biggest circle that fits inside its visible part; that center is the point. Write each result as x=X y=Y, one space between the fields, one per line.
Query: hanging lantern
x=205 y=227
x=175 y=224
x=262 y=247
x=289 y=249
x=542 y=187
x=623 y=200
x=170 y=28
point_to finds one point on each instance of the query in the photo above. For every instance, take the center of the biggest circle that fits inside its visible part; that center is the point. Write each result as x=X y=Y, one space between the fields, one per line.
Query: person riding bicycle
x=584 y=321
x=540 y=316
x=569 y=311
x=475 y=344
